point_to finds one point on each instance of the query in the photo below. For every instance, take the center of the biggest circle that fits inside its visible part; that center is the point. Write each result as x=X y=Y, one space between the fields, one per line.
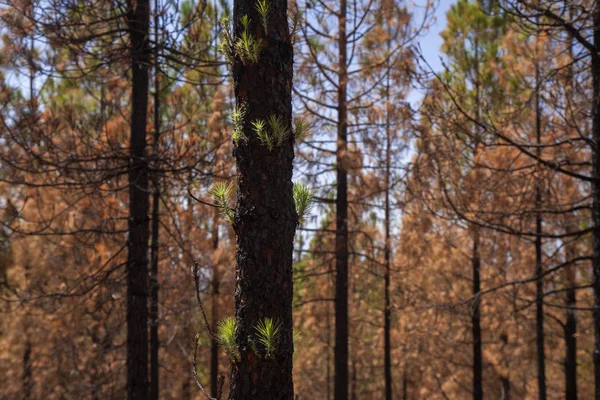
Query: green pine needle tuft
x=268 y=332
x=303 y=198
x=221 y=193
x=279 y=129
x=237 y=120
x=300 y=128
x=226 y=331
x=264 y=7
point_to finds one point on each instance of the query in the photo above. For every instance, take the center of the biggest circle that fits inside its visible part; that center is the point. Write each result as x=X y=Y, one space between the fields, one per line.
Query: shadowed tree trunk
x=137 y=243
x=265 y=216
x=539 y=283
x=596 y=195
x=154 y=340
x=341 y=222
x=476 y=322
x=570 y=331
x=214 y=347
x=387 y=310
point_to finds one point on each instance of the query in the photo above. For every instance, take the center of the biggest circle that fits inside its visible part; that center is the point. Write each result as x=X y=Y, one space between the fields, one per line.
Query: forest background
x=451 y=149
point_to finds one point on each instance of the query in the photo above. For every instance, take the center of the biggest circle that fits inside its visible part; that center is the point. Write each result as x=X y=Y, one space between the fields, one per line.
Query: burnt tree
x=265 y=216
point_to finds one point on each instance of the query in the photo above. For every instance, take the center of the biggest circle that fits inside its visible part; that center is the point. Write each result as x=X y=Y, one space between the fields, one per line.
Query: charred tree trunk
x=341 y=222
x=404 y=385
x=505 y=388
x=596 y=195
x=137 y=243
x=539 y=283
x=387 y=310
x=214 y=347
x=26 y=377
x=265 y=216
x=476 y=322
x=154 y=341
x=571 y=336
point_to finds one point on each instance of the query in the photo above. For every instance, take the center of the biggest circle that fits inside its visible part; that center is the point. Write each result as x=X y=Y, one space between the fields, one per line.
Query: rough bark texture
x=154 y=340
x=387 y=311
x=341 y=223
x=596 y=197
x=265 y=216
x=214 y=347
x=539 y=283
x=570 y=332
x=137 y=244
x=476 y=322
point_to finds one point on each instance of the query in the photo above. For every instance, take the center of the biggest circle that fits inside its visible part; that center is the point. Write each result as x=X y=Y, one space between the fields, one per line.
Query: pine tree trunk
x=265 y=216
x=570 y=334
x=505 y=389
x=387 y=251
x=404 y=384
x=387 y=311
x=154 y=341
x=137 y=244
x=596 y=196
x=214 y=347
x=476 y=322
x=341 y=223
x=539 y=283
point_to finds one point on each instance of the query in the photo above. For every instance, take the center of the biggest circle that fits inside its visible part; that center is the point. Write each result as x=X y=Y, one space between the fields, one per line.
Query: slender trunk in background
x=137 y=243
x=505 y=389
x=387 y=308
x=265 y=215
x=596 y=195
x=539 y=283
x=154 y=341
x=214 y=346
x=476 y=259
x=570 y=271
x=476 y=321
x=341 y=222
x=26 y=377
x=404 y=384
x=570 y=329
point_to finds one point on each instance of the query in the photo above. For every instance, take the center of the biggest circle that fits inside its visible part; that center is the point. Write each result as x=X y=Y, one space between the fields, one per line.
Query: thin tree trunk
x=570 y=333
x=154 y=340
x=137 y=243
x=265 y=216
x=404 y=384
x=505 y=388
x=476 y=322
x=341 y=223
x=26 y=377
x=387 y=308
x=596 y=196
x=214 y=347
x=539 y=283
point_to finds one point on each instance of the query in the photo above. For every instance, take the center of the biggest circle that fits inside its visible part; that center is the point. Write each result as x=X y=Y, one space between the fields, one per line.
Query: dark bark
x=154 y=340
x=539 y=283
x=137 y=243
x=404 y=385
x=505 y=388
x=596 y=197
x=26 y=377
x=571 y=337
x=214 y=347
x=341 y=223
x=476 y=322
x=265 y=217
x=387 y=310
